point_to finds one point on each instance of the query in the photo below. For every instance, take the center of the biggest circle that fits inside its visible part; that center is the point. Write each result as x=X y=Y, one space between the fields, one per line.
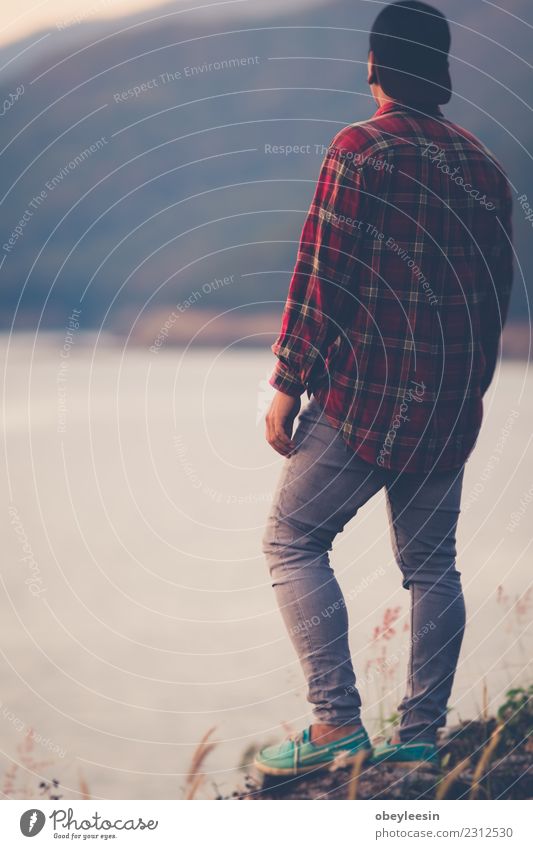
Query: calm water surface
x=137 y=612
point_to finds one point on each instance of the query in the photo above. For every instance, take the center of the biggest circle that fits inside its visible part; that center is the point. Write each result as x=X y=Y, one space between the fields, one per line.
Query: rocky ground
x=484 y=760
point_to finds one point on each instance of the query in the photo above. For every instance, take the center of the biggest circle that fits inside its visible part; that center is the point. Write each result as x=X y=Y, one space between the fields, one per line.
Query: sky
x=24 y=17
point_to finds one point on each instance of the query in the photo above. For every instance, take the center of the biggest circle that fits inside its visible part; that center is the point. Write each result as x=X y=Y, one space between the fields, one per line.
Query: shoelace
x=295 y=737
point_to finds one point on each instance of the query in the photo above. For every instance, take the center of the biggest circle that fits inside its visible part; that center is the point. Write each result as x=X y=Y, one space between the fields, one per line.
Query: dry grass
x=446 y=782
x=360 y=759
x=17 y=782
x=485 y=702
x=84 y=787
x=195 y=777
x=484 y=760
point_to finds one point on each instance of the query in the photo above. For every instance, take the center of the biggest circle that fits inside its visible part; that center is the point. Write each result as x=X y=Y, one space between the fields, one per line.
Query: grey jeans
x=322 y=486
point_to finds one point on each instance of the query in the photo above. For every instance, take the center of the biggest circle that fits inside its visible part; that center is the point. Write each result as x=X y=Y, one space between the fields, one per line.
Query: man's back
x=410 y=224
x=392 y=323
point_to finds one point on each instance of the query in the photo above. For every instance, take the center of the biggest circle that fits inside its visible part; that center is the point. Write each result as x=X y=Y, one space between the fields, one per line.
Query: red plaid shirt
x=401 y=288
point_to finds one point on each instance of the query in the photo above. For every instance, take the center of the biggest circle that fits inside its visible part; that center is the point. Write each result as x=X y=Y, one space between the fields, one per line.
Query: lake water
x=137 y=610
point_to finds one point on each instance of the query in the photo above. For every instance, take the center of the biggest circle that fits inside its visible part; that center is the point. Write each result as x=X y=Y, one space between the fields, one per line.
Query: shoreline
x=207 y=330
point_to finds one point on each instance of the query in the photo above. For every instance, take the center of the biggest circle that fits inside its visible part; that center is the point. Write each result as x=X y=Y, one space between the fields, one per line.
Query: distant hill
x=135 y=166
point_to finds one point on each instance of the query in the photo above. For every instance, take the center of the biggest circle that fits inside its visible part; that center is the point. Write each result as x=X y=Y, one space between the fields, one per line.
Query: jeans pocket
x=311 y=412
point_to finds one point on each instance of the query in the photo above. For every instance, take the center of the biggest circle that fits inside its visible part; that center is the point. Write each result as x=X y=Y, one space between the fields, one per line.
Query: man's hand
x=279 y=421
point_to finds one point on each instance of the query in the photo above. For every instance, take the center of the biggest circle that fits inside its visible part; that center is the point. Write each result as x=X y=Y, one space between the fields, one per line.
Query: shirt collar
x=424 y=110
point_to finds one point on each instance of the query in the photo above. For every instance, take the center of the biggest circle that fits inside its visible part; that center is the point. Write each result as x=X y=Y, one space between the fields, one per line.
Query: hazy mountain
x=126 y=200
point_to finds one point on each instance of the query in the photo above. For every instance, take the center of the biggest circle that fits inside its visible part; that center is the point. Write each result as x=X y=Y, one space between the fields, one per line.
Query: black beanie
x=410 y=42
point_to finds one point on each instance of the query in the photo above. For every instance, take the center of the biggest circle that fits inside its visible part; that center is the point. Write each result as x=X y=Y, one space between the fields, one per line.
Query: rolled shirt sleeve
x=496 y=307
x=323 y=277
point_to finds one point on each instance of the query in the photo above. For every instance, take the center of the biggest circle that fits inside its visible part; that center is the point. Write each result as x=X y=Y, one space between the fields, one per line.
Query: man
x=392 y=327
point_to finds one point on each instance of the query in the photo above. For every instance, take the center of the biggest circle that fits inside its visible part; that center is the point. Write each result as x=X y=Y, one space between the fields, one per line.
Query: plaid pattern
x=400 y=289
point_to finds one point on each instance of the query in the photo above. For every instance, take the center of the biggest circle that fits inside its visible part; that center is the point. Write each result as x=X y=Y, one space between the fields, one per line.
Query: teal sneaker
x=406 y=754
x=299 y=755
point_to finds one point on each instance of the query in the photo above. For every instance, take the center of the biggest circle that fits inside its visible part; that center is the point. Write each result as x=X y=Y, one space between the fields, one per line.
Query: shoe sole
x=304 y=770
x=404 y=763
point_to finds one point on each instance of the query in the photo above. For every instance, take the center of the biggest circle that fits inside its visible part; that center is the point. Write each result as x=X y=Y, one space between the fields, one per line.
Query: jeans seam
x=396 y=538
x=282 y=558
x=410 y=669
x=410 y=663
